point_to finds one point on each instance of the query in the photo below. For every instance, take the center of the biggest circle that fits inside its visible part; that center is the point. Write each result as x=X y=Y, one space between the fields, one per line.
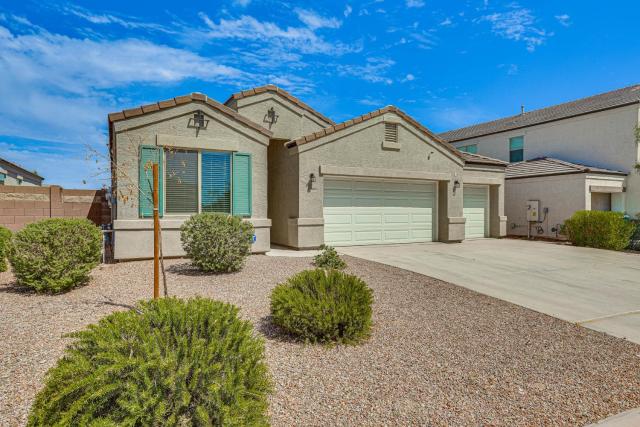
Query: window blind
x=181 y=189
x=216 y=182
x=516 y=143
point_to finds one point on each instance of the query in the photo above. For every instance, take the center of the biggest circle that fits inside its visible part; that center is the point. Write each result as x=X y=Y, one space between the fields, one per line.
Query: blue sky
x=65 y=65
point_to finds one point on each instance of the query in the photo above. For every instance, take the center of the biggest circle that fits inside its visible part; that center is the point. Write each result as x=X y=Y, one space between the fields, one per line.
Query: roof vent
x=391 y=132
x=522 y=109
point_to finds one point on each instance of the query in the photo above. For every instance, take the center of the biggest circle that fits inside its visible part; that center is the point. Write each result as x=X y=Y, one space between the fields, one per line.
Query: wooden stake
x=156 y=235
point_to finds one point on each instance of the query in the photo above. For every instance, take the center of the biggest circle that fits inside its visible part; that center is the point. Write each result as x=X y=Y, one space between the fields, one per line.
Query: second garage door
x=475 y=210
x=377 y=212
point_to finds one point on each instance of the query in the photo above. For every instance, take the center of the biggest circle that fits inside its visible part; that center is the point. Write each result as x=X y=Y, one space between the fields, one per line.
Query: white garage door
x=377 y=212
x=476 y=211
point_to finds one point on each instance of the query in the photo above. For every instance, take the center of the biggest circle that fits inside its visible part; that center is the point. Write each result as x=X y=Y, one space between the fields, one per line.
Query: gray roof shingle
x=548 y=166
x=604 y=101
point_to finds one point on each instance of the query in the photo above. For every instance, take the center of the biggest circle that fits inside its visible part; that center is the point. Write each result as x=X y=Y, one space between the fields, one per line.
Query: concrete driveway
x=596 y=288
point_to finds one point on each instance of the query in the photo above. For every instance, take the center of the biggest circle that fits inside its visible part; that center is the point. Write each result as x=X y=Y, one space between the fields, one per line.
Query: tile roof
x=614 y=99
x=467 y=157
x=279 y=91
x=482 y=160
x=179 y=100
x=388 y=109
x=547 y=166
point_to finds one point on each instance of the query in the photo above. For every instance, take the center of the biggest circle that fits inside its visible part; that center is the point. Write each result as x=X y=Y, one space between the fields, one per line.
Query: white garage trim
x=476 y=211
x=369 y=212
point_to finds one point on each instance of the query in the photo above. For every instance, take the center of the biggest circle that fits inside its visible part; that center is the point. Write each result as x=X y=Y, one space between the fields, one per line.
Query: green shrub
x=5 y=246
x=323 y=306
x=599 y=229
x=634 y=242
x=329 y=259
x=55 y=255
x=217 y=242
x=170 y=362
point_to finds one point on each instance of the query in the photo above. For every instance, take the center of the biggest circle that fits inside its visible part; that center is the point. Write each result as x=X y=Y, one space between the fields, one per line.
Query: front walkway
x=596 y=288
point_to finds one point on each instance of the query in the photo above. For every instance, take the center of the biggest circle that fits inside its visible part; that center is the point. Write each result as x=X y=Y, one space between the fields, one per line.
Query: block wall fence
x=21 y=205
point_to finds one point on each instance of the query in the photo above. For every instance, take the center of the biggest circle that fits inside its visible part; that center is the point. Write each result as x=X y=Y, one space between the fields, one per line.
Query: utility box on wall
x=533 y=209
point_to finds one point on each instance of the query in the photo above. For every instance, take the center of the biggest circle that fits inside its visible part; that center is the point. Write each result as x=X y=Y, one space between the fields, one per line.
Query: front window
x=181 y=187
x=216 y=182
x=516 y=149
x=473 y=149
x=204 y=181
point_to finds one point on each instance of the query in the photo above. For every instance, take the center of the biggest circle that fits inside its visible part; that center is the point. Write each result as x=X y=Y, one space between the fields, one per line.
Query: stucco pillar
x=497 y=219
x=450 y=218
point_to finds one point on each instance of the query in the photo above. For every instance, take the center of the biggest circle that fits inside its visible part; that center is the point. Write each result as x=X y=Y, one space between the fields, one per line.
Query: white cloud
x=106 y=19
x=408 y=78
x=564 y=20
x=517 y=24
x=424 y=39
x=241 y=3
x=414 y=3
x=371 y=102
x=446 y=22
x=59 y=88
x=373 y=71
x=314 y=21
x=302 y=39
x=511 y=69
x=347 y=11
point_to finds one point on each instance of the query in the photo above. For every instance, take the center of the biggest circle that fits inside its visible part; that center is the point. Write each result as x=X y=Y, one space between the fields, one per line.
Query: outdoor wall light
x=456 y=185
x=198 y=121
x=312 y=178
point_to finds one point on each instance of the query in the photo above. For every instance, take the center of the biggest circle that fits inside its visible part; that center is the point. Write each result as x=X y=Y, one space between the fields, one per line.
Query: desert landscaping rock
x=438 y=354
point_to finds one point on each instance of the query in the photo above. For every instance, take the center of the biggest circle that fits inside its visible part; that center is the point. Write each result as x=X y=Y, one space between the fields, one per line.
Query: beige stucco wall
x=358 y=152
x=562 y=194
x=283 y=194
x=293 y=121
x=604 y=139
x=133 y=236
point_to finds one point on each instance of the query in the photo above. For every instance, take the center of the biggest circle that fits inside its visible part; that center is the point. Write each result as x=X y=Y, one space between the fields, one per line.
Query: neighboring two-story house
x=573 y=156
x=301 y=179
x=13 y=174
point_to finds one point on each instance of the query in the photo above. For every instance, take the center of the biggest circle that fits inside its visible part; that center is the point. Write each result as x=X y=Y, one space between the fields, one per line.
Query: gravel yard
x=438 y=355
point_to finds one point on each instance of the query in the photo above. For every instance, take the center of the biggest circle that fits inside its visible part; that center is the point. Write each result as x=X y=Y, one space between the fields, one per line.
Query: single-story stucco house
x=299 y=178
x=579 y=155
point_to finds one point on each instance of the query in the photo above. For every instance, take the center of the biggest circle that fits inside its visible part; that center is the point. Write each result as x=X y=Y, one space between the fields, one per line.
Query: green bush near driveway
x=55 y=255
x=5 y=246
x=170 y=362
x=216 y=242
x=599 y=229
x=323 y=306
x=634 y=244
x=329 y=259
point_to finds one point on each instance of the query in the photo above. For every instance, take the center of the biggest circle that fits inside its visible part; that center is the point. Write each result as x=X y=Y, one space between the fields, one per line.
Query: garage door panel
x=367 y=219
x=475 y=211
x=338 y=219
x=367 y=236
x=397 y=235
x=338 y=237
x=378 y=212
x=396 y=218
